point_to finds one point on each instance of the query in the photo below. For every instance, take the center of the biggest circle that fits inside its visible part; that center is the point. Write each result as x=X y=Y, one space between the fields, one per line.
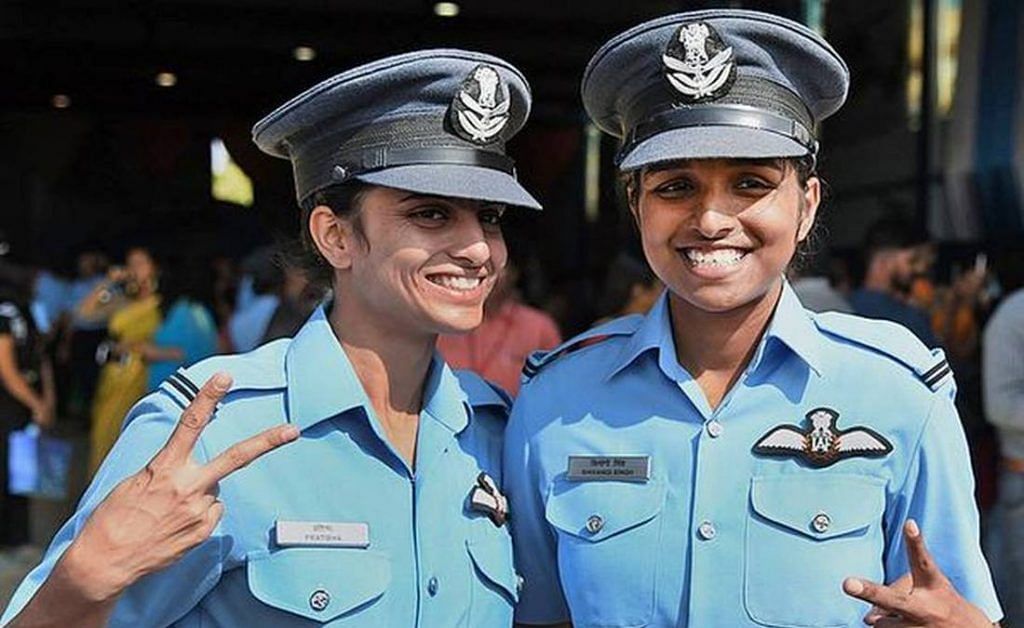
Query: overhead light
x=446 y=9
x=60 y=101
x=166 y=79
x=304 y=53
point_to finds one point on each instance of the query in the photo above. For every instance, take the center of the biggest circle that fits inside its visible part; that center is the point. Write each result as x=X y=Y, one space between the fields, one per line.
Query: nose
x=714 y=220
x=471 y=246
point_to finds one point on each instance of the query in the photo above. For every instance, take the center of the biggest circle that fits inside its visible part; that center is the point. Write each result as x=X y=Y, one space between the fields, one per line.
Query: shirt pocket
x=317 y=583
x=804 y=536
x=608 y=539
x=495 y=584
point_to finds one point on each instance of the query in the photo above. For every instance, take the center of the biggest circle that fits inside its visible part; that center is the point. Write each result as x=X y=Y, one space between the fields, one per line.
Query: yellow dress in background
x=122 y=382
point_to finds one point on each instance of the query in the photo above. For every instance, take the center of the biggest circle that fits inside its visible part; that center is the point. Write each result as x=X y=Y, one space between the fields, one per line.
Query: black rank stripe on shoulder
x=535 y=363
x=934 y=376
x=183 y=385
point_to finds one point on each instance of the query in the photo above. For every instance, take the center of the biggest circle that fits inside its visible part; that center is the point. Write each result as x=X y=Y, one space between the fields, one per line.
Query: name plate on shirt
x=322 y=534
x=596 y=468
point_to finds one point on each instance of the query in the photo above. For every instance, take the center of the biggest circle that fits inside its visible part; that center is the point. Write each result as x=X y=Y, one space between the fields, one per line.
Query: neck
x=719 y=345
x=391 y=366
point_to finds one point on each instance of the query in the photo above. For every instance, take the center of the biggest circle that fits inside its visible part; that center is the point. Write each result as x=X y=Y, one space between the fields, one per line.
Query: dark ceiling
x=235 y=56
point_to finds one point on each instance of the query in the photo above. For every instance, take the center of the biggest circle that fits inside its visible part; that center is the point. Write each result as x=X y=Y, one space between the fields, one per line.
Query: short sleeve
x=9 y=314
x=938 y=493
x=541 y=600
x=160 y=598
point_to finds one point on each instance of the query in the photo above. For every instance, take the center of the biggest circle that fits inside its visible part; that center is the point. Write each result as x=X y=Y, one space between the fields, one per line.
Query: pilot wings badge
x=480 y=109
x=698 y=64
x=822 y=444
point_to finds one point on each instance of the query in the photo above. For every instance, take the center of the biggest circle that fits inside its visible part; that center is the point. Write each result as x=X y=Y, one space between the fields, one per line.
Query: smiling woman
x=732 y=459
x=387 y=508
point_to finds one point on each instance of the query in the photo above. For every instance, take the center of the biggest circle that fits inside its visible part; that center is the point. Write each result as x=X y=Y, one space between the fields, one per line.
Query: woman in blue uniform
x=386 y=509
x=731 y=459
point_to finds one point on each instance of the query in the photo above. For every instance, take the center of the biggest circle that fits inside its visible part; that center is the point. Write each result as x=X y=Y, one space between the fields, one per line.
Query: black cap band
x=733 y=115
x=369 y=160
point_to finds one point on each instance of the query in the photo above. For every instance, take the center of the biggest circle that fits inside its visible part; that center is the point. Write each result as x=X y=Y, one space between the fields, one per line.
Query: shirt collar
x=443 y=396
x=322 y=383
x=791 y=325
x=654 y=332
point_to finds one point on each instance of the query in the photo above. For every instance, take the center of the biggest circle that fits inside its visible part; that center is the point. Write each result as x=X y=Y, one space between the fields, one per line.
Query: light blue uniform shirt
x=431 y=560
x=719 y=535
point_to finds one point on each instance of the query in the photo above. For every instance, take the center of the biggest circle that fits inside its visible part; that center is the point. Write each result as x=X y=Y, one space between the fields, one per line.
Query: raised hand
x=924 y=598
x=170 y=506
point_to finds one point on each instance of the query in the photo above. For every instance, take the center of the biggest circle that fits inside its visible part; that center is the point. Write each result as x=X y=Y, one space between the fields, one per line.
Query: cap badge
x=822 y=444
x=480 y=109
x=698 y=64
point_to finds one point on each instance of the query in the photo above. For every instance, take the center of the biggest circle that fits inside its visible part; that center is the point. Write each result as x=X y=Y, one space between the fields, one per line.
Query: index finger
x=241 y=454
x=922 y=566
x=886 y=598
x=193 y=419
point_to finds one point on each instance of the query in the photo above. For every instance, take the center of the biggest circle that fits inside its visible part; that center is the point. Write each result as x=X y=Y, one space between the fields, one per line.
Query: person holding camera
x=128 y=297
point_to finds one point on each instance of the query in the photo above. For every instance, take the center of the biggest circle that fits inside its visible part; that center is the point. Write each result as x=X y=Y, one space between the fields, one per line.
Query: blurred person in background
x=188 y=331
x=297 y=296
x=128 y=298
x=1003 y=394
x=26 y=395
x=259 y=295
x=510 y=332
x=629 y=288
x=811 y=282
x=891 y=249
x=76 y=351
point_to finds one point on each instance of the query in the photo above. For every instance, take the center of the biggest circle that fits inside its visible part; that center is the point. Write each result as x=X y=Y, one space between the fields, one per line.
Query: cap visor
x=453 y=180
x=709 y=142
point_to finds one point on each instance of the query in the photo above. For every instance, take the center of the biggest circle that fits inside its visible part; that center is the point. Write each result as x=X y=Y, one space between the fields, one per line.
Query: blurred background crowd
x=142 y=231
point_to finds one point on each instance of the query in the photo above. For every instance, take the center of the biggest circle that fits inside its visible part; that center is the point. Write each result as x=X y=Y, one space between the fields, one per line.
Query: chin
x=458 y=322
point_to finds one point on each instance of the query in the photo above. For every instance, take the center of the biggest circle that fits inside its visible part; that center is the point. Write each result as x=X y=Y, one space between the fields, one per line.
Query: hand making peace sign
x=152 y=518
x=923 y=598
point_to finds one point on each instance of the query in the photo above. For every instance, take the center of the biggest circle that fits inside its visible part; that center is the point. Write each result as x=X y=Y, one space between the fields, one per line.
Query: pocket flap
x=319 y=584
x=819 y=507
x=594 y=511
x=493 y=559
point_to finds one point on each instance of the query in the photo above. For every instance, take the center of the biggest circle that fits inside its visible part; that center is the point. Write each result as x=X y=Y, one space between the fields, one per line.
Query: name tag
x=592 y=468
x=322 y=534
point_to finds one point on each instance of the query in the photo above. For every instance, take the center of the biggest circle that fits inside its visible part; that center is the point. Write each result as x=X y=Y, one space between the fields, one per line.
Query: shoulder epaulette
x=480 y=392
x=538 y=360
x=260 y=369
x=893 y=340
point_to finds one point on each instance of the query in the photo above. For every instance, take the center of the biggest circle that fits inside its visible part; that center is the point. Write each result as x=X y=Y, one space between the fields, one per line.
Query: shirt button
x=432 y=586
x=520 y=581
x=715 y=429
x=320 y=600
x=707 y=530
x=594 y=524
x=821 y=523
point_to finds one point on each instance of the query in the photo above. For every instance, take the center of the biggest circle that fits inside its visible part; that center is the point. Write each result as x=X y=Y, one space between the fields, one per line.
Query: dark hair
x=345 y=200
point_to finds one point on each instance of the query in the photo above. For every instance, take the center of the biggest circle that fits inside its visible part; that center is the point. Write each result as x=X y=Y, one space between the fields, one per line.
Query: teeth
x=454 y=282
x=716 y=257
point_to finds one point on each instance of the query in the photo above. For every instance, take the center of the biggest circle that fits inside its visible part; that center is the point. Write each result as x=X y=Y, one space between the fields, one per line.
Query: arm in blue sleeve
x=159 y=598
x=541 y=600
x=938 y=493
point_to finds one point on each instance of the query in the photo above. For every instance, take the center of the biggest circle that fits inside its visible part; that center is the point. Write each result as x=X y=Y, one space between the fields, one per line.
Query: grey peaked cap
x=391 y=123
x=786 y=80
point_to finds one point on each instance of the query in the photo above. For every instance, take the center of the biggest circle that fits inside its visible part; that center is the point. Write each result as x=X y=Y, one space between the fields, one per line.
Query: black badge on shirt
x=821 y=444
